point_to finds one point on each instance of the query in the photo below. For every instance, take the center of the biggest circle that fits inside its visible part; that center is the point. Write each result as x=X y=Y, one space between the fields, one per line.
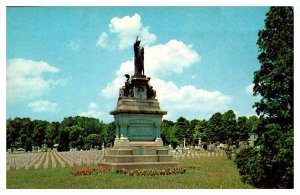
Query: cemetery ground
x=214 y=173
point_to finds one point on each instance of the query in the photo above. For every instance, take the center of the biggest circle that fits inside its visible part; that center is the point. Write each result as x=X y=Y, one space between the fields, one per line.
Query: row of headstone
x=19 y=161
x=59 y=159
x=41 y=160
x=192 y=154
x=32 y=163
x=53 y=161
x=46 y=163
x=46 y=159
x=83 y=157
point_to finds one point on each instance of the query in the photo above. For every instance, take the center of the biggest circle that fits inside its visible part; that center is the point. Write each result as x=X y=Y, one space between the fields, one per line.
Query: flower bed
x=156 y=172
x=81 y=172
x=136 y=172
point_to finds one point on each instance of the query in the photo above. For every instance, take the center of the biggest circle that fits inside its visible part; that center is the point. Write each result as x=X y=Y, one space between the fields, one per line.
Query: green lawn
x=214 y=173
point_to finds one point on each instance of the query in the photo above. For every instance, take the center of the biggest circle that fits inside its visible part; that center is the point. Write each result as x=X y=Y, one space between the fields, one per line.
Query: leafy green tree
x=229 y=131
x=168 y=133
x=273 y=162
x=28 y=144
x=39 y=132
x=243 y=129
x=26 y=130
x=193 y=124
x=76 y=136
x=11 y=134
x=93 y=140
x=253 y=123
x=182 y=130
x=111 y=133
x=52 y=132
x=200 y=131
x=215 y=130
x=63 y=140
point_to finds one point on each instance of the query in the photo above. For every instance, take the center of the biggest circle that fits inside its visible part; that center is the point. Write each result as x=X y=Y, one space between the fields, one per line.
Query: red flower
x=89 y=171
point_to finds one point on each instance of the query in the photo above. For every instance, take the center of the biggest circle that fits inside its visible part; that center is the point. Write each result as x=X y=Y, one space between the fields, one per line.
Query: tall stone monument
x=138 y=119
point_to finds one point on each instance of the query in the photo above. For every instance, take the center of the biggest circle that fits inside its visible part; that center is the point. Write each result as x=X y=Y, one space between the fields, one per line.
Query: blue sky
x=68 y=61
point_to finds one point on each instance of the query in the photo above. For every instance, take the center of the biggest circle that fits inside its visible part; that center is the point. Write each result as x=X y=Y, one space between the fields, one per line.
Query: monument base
x=120 y=142
x=138 y=155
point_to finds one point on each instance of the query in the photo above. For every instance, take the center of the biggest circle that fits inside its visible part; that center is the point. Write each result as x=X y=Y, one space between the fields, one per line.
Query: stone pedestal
x=138 y=120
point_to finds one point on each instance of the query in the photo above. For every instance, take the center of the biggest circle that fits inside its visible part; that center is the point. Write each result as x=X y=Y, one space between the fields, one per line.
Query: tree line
x=85 y=133
x=73 y=132
x=219 y=128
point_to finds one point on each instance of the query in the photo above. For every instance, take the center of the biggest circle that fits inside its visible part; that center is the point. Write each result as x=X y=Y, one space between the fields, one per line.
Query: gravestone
x=138 y=120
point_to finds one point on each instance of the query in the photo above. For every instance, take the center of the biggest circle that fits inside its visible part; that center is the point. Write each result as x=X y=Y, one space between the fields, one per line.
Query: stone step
x=144 y=151
x=138 y=165
x=162 y=151
x=137 y=158
x=138 y=151
x=121 y=152
x=142 y=143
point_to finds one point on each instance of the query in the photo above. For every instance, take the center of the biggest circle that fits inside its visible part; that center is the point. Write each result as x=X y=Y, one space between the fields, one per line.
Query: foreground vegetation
x=214 y=173
x=271 y=165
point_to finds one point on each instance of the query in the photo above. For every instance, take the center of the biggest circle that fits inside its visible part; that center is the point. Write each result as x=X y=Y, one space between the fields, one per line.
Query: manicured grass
x=214 y=173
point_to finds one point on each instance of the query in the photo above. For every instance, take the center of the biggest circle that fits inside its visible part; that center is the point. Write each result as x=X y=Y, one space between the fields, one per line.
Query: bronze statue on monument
x=139 y=79
x=138 y=58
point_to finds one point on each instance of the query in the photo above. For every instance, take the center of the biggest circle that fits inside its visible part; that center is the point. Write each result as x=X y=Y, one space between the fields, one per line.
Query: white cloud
x=188 y=98
x=74 y=45
x=92 y=112
x=93 y=105
x=102 y=40
x=172 y=57
x=43 y=106
x=249 y=88
x=125 y=30
x=25 y=78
